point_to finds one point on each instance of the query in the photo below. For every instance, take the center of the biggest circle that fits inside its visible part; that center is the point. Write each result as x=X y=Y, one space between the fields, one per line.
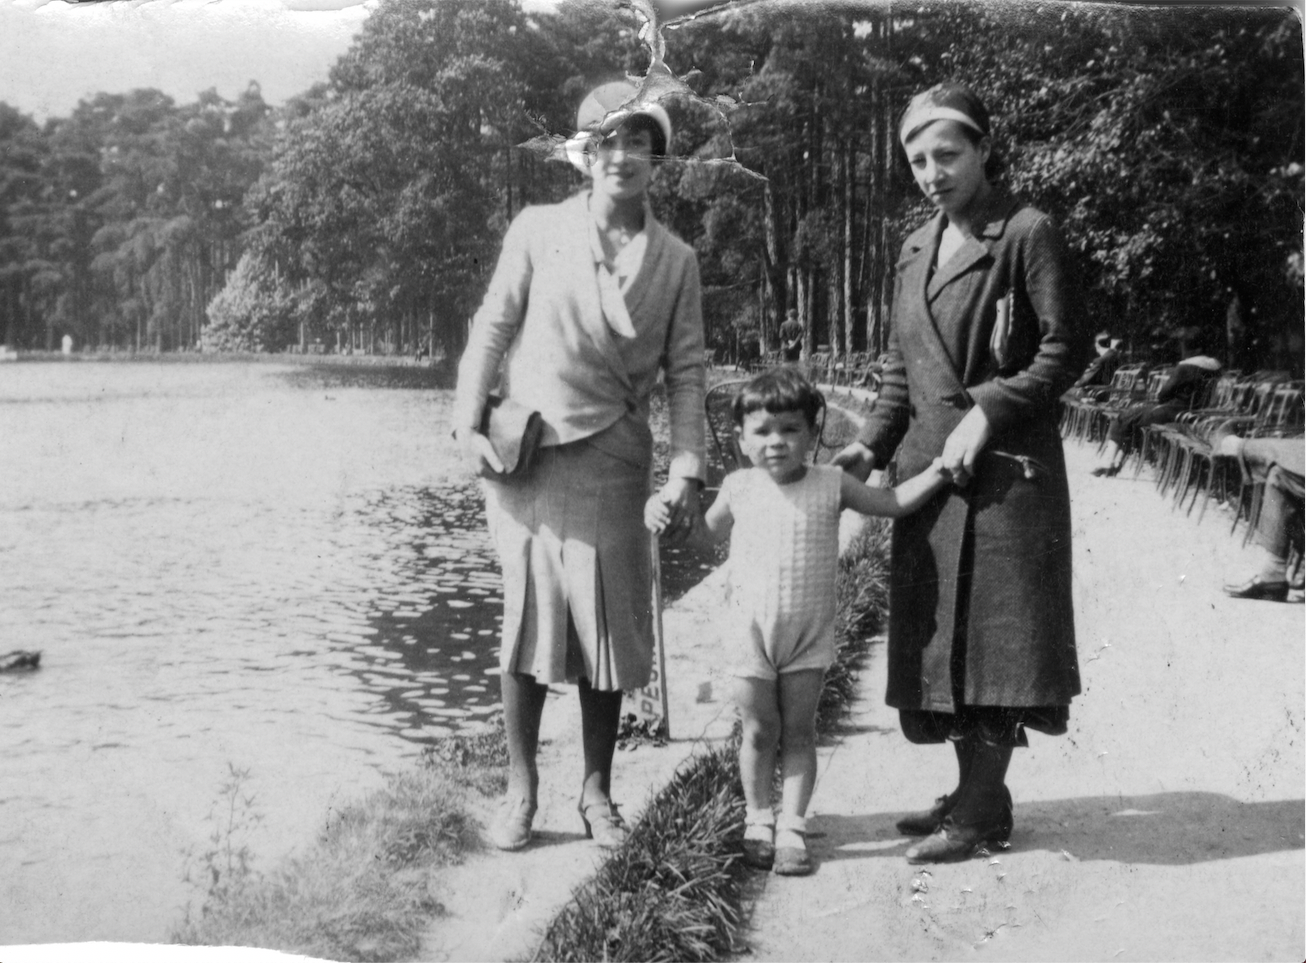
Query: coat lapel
x=914 y=269
x=962 y=260
x=639 y=291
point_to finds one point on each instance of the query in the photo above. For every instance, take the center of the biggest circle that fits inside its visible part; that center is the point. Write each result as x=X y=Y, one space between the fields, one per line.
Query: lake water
x=273 y=567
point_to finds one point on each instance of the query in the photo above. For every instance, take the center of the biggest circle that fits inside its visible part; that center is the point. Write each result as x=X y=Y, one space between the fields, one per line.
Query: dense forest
x=365 y=214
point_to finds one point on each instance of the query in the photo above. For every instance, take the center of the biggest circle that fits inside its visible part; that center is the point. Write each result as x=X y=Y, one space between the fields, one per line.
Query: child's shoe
x=759 y=838
x=791 y=855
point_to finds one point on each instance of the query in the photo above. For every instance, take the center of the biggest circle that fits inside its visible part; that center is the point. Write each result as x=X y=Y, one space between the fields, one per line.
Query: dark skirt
x=995 y=725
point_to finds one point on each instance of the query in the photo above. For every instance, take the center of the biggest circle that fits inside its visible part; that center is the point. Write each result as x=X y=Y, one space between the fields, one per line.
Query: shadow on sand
x=1171 y=828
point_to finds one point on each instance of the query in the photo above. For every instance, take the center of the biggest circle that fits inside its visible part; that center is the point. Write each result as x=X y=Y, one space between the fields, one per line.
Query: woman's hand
x=680 y=497
x=964 y=445
x=857 y=460
x=478 y=453
x=657 y=515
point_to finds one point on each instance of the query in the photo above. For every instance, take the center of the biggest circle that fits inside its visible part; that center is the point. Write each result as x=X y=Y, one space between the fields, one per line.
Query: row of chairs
x=857 y=370
x=1087 y=413
x=1184 y=454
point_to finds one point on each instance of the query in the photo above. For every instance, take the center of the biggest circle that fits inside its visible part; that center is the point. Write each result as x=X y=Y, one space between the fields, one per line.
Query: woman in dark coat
x=981 y=625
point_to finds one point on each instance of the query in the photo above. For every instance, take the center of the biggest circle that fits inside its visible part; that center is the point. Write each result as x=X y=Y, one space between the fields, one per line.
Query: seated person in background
x=1279 y=525
x=791 y=337
x=1184 y=391
x=1102 y=368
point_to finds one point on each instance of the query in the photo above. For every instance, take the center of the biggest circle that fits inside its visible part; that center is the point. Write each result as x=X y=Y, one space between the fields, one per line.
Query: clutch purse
x=514 y=432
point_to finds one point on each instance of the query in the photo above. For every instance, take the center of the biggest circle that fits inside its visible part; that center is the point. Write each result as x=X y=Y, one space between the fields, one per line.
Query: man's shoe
x=1254 y=588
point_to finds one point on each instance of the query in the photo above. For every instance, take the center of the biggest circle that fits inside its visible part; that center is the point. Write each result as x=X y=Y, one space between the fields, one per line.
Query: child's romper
x=784 y=554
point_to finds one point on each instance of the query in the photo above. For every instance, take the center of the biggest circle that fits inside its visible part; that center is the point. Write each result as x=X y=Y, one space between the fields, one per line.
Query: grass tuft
x=862 y=588
x=672 y=891
x=361 y=891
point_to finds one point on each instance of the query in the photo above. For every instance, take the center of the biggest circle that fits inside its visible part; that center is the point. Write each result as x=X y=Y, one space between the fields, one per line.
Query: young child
x=782 y=518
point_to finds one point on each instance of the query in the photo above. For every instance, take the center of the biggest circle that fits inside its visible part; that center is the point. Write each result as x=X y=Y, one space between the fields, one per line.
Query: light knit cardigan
x=542 y=318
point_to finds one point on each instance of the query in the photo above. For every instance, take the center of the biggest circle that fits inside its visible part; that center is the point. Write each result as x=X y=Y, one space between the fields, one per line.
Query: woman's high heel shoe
x=511 y=830
x=603 y=823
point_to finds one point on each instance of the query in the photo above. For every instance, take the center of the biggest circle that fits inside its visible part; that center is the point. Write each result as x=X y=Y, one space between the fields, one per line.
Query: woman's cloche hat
x=946 y=101
x=603 y=110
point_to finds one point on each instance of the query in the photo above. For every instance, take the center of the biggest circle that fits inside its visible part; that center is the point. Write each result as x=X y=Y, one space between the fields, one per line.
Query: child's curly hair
x=777 y=390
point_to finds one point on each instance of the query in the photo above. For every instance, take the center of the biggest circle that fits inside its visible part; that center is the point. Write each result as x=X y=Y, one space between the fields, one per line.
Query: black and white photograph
x=688 y=480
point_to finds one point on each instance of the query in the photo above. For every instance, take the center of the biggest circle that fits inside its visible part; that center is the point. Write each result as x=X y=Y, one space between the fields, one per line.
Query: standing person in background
x=1101 y=369
x=791 y=337
x=981 y=625
x=591 y=299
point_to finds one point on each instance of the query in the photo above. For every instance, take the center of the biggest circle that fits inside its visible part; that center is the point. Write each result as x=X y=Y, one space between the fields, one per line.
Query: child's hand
x=657 y=515
x=936 y=468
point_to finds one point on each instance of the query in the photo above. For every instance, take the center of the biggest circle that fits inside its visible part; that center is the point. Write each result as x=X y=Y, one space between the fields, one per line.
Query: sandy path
x=1167 y=825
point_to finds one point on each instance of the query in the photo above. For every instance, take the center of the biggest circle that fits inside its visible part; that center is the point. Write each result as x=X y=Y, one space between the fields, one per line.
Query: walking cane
x=651 y=700
x=653 y=697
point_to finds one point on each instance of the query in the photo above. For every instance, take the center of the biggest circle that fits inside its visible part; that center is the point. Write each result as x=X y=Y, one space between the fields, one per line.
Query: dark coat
x=1100 y=370
x=982 y=574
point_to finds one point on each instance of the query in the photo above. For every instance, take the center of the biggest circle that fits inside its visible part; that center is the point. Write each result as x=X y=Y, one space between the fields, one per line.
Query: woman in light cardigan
x=590 y=299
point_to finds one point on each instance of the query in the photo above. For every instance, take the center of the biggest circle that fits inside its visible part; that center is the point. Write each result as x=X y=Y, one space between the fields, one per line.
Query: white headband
x=914 y=121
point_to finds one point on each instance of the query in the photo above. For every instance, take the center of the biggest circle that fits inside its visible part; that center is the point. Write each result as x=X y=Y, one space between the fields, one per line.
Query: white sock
x=790 y=831
x=759 y=823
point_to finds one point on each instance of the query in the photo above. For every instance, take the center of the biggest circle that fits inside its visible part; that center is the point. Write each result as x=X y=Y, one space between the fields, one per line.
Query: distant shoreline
x=195 y=357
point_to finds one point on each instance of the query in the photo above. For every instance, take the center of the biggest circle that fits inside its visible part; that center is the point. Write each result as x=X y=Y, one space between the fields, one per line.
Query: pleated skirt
x=577 y=568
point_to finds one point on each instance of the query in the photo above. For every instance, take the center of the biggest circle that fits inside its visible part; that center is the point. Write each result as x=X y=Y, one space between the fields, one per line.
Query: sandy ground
x=1167 y=825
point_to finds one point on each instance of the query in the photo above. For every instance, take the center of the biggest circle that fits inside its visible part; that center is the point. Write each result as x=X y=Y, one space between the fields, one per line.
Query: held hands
x=478 y=453
x=657 y=515
x=857 y=460
x=674 y=511
x=964 y=445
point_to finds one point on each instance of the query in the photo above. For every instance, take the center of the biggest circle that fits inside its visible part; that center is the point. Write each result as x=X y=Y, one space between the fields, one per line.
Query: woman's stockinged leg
x=983 y=796
x=523 y=705
x=759 y=713
x=600 y=720
x=800 y=692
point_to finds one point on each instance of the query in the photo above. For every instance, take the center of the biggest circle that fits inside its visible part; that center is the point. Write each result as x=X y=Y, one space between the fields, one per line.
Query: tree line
x=366 y=213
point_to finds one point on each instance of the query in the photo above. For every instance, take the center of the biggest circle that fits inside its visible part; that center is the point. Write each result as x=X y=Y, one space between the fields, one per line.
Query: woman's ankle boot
x=982 y=814
x=928 y=821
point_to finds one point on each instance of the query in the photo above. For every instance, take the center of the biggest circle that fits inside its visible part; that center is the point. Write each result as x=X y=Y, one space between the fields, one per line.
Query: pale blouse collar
x=616 y=277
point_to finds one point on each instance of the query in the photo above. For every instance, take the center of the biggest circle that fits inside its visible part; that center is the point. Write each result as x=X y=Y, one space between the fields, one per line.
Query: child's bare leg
x=759 y=711
x=799 y=694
